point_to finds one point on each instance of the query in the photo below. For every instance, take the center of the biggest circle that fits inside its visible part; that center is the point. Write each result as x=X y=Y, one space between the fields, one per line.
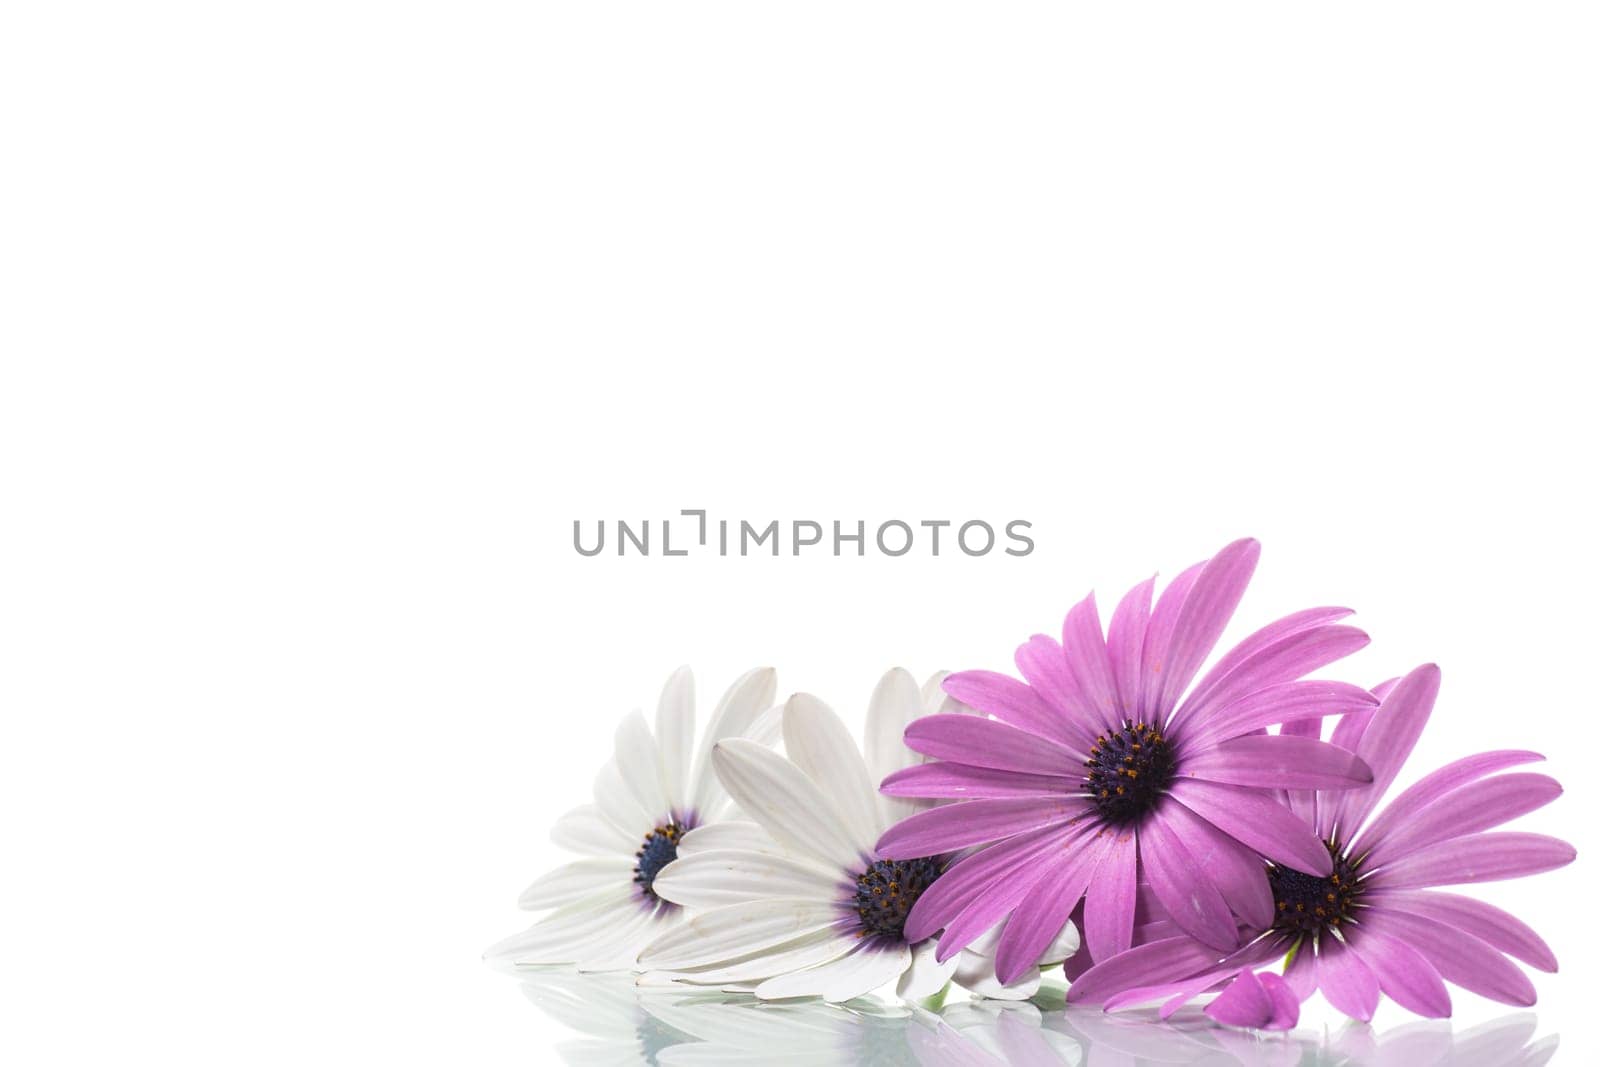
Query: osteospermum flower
x=799 y=903
x=604 y=907
x=1107 y=768
x=1374 y=923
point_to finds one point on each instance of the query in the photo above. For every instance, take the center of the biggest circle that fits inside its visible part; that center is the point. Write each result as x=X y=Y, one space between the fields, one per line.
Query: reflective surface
x=614 y=1021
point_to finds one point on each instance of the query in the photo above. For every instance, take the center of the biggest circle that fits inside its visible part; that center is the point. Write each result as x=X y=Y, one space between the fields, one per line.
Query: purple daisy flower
x=1107 y=768
x=1375 y=924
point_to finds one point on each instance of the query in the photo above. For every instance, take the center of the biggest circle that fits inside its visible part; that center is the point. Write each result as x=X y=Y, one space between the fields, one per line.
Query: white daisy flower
x=604 y=908
x=799 y=903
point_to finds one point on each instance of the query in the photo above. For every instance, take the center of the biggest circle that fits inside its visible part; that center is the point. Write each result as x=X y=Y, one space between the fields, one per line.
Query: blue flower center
x=1129 y=771
x=886 y=891
x=660 y=848
x=1309 y=904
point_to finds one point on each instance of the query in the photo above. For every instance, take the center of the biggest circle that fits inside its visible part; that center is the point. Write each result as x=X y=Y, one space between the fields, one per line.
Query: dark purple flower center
x=1129 y=771
x=660 y=848
x=1309 y=904
x=886 y=891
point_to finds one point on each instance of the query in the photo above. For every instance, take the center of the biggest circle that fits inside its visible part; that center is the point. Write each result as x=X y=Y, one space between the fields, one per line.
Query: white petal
x=1065 y=945
x=820 y=946
x=712 y=879
x=559 y=936
x=787 y=804
x=573 y=882
x=975 y=974
x=926 y=975
x=738 y=833
x=675 y=736
x=616 y=803
x=895 y=705
x=745 y=699
x=639 y=763
x=855 y=975
x=618 y=949
x=735 y=931
x=819 y=743
x=586 y=831
x=935 y=701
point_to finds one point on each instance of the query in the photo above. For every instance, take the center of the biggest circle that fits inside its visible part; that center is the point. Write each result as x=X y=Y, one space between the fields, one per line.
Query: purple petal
x=1238 y=873
x=1285 y=702
x=985 y=743
x=1385 y=744
x=1261 y=951
x=1085 y=647
x=1288 y=659
x=1246 y=1002
x=1404 y=974
x=1206 y=610
x=1042 y=915
x=1143 y=965
x=1480 y=805
x=1457 y=956
x=974 y=822
x=1183 y=886
x=1125 y=646
x=1258 y=821
x=1158 y=638
x=1496 y=928
x=1285 y=1004
x=1008 y=700
x=1273 y=761
x=1489 y=857
x=1301 y=971
x=1260 y=642
x=1044 y=665
x=959 y=781
x=975 y=875
x=1303 y=802
x=1446 y=779
x=1108 y=903
x=1346 y=980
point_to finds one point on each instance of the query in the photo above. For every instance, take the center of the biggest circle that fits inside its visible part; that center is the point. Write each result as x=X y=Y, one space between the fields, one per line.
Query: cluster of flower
x=1157 y=837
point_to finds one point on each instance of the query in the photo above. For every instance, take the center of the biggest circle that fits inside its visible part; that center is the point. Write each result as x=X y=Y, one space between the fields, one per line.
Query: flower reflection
x=621 y=1023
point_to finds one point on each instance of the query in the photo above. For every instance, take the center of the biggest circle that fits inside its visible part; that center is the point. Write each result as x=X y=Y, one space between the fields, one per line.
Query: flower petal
x=958 y=781
x=787 y=804
x=585 y=830
x=1285 y=702
x=728 y=933
x=1346 y=980
x=1488 y=857
x=1404 y=974
x=1041 y=927
x=1276 y=761
x=1245 y=1002
x=732 y=833
x=1125 y=646
x=726 y=876
x=1385 y=743
x=1142 y=965
x=1158 y=639
x=896 y=703
x=675 y=737
x=985 y=743
x=976 y=974
x=1084 y=646
x=848 y=977
x=975 y=822
x=1237 y=872
x=1285 y=660
x=1481 y=805
x=1183 y=886
x=576 y=880
x=979 y=875
x=926 y=975
x=819 y=743
x=1072 y=721
x=1258 y=821
x=1446 y=779
x=1111 y=897
x=735 y=715
x=1496 y=928
x=1217 y=591
x=1457 y=956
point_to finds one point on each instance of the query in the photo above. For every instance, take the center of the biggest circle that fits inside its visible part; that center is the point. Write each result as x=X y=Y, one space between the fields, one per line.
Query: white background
x=323 y=321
